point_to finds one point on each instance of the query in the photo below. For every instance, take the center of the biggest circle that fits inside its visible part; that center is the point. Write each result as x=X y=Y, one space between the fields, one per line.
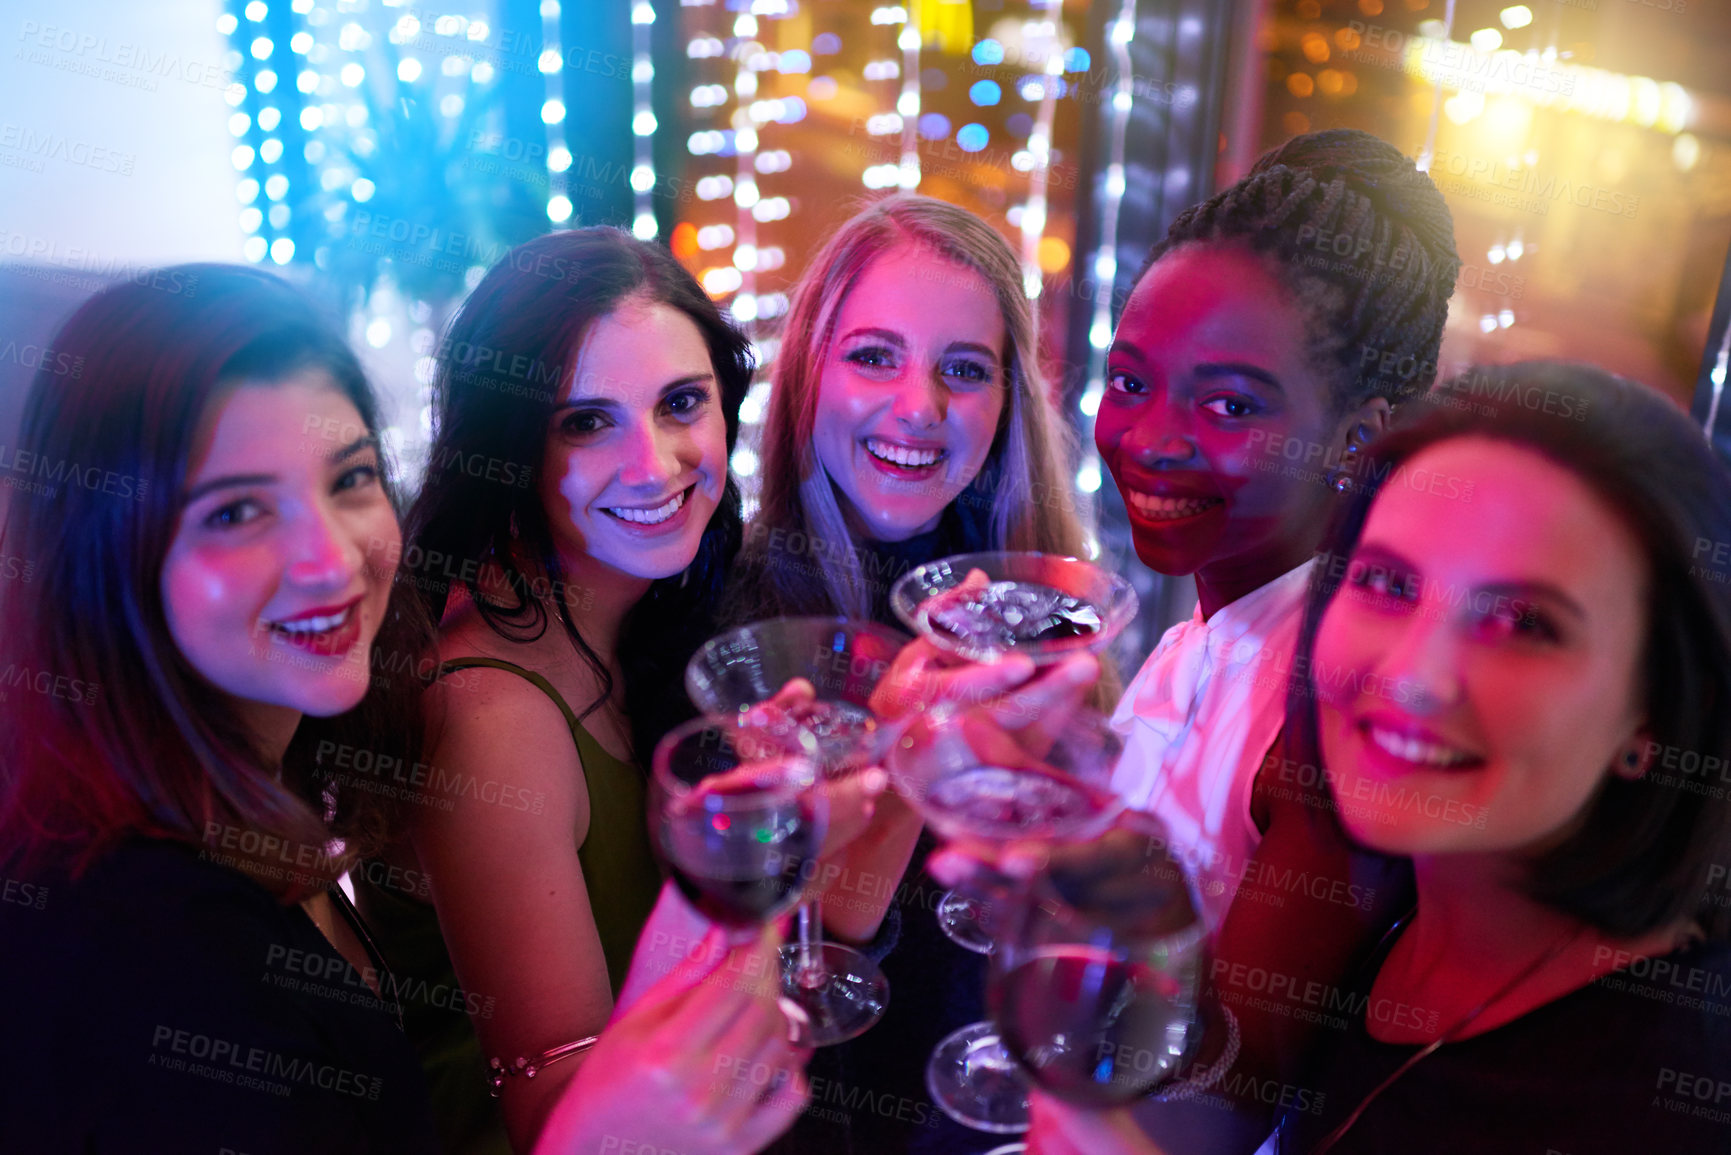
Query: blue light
x=985 y=93
x=825 y=44
x=934 y=126
x=988 y=51
x=972 y=137
x=1077 y=60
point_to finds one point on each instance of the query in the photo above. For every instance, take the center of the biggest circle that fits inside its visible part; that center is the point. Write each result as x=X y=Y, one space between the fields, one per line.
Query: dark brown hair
x=140 y=743
x=500 y=369
x=1645 y=850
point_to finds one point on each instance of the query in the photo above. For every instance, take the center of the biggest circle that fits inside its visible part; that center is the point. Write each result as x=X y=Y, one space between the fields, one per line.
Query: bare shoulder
x=501 y=741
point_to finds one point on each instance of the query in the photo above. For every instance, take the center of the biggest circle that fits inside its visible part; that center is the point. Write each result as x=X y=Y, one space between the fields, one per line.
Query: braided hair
x=1363 y=241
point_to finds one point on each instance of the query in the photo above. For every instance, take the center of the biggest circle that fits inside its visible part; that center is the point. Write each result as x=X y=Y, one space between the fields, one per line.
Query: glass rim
x=915 y=787
x=1118 y=608
x=794 y=740
x=854 y=626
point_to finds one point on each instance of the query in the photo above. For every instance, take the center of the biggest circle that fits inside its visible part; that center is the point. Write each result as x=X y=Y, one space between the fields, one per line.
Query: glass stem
x=812 y=972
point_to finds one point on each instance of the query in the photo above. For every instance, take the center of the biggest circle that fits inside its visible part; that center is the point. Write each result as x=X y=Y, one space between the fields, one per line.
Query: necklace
x=1447 y=1036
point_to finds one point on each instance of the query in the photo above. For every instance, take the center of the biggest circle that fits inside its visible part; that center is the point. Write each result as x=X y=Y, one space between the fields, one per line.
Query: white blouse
x=1198 y=720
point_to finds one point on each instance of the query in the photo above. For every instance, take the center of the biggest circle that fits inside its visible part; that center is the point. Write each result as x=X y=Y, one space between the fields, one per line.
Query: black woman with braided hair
x=1266 y=342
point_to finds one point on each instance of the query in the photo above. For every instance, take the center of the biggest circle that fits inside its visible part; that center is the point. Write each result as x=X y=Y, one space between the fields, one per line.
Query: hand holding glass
x=818 y=673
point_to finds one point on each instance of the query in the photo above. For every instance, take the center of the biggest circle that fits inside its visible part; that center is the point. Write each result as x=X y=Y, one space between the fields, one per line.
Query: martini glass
x=971 y=779
x=842 y=991
x=981 y=606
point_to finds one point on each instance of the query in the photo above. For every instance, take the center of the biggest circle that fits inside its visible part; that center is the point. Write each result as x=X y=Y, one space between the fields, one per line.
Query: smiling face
x=1210 y=394
x=910 y=394
x=1478 y=670
x=280 y=567
x=635 y=460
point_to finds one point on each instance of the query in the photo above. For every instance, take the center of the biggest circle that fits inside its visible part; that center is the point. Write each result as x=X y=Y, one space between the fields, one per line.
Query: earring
x=1629 y=765
x=1340 y=477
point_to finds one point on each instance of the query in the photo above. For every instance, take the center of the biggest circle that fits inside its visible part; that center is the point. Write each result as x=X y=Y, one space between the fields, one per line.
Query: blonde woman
x=908 y=421
x=908 y=418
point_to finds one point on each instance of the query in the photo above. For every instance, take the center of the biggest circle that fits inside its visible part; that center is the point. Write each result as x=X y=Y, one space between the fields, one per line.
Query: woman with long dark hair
x=209 y=697
x=570 y=537
x=209 y=525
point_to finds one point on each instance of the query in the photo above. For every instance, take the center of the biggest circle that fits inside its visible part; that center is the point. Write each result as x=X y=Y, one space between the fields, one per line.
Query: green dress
x=623 y=881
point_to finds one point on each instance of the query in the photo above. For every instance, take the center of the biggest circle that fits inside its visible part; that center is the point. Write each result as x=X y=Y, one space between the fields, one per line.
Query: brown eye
x=1230 y=405
x=583 y=422
x=234 y=514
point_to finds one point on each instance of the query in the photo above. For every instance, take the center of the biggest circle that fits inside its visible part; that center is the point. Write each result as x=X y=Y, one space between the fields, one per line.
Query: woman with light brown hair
x=897 y=430
x=908 y=421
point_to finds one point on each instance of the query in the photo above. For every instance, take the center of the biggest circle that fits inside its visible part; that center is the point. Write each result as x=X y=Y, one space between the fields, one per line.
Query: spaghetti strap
x=527 y=675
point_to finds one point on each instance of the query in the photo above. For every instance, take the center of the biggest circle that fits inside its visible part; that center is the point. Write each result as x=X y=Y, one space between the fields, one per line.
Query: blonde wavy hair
x=1025 y=484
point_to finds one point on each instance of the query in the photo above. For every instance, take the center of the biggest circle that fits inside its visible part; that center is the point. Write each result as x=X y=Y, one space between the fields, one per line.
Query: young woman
x=210 y=588
x=1519 y=684
x=899 y=433
x=189 y=688
x=570 y=538
x=1250 y=367
x=1516 y=665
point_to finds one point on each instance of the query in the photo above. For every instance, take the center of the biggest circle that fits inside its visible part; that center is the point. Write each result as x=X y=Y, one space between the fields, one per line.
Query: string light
x=259 y=159
x=746 y=198
x=552 y=65
x=908 y=103
x=643 y=224
x=1103 y=270
x=1033 y=218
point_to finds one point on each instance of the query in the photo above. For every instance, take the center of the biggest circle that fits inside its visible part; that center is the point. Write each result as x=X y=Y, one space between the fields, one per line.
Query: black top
x=1638 y=1061
x=166 y=1003
x=868 y=1095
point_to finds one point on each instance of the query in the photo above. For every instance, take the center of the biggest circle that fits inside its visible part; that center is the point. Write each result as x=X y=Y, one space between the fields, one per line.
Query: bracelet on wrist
x=498 y=1070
